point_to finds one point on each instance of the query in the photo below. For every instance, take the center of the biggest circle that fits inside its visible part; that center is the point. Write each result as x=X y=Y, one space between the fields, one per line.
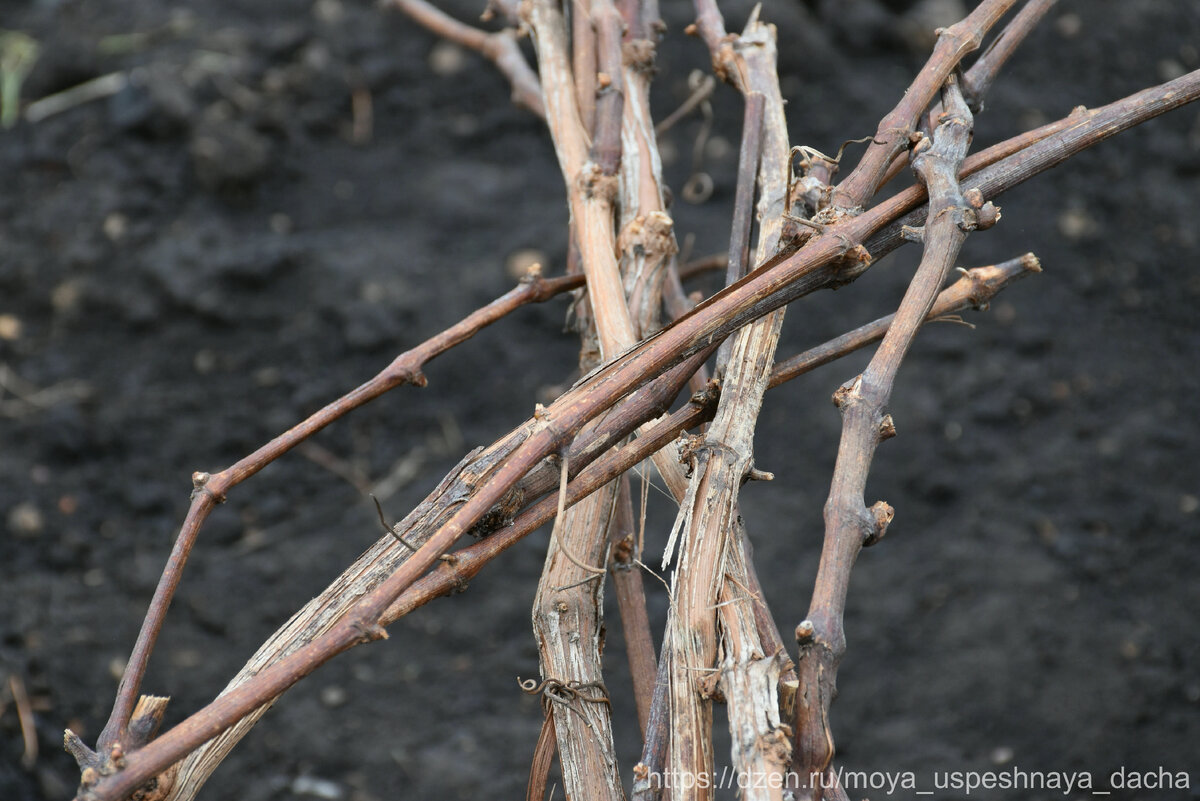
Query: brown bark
x=849 y=523
x=894 y=130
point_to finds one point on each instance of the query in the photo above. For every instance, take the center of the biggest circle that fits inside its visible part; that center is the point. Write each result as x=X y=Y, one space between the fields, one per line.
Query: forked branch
x=500 y=48
x=849 y=524
x=894 y=131
x=978 y=79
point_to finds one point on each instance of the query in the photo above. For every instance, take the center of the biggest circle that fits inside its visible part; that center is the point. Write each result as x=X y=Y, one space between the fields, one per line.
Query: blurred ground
x=191 y=265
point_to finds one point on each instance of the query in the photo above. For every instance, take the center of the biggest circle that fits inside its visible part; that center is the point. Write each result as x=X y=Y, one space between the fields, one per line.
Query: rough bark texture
x=568 y=626
x=711 y=556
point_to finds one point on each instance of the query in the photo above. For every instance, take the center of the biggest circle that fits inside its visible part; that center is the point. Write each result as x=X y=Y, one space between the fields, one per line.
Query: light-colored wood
x=711 y=576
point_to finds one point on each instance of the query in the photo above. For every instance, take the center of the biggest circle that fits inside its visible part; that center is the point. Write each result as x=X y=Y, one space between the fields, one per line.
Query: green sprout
x=18 y=52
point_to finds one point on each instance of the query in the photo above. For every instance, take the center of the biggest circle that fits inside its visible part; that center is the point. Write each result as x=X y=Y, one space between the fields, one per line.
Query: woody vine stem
x=642 y=341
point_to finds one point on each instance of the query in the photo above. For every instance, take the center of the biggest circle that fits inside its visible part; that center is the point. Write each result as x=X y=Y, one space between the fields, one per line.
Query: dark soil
x=193 y=264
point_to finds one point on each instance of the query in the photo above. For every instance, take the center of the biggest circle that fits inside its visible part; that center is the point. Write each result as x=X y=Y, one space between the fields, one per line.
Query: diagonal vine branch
x=974 y=290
